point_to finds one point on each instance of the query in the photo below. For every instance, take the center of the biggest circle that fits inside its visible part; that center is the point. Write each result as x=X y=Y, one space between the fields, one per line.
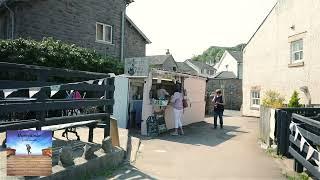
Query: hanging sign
x=136 y=67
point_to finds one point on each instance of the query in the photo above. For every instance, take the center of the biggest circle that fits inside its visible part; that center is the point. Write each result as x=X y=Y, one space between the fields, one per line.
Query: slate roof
x=158 y=59
x=237 y=55
x=185 y=68
x=202 y=65
x=225 y=75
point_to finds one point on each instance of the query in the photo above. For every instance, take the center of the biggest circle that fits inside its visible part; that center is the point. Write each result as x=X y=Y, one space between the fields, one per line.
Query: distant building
x=283 y=55
x=96 y=24
x=201 y=68
x=231 y=61
x=185 y=68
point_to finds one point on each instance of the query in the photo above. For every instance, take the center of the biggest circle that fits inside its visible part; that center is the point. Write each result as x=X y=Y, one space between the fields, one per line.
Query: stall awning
x=175 y=74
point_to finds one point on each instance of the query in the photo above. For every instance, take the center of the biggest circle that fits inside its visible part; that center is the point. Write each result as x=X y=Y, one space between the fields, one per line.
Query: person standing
x=176 y=100
x=218 y=108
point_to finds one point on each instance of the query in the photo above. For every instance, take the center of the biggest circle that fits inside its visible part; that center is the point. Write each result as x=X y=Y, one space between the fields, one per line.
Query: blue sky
x=188 y=27
x=37 y=143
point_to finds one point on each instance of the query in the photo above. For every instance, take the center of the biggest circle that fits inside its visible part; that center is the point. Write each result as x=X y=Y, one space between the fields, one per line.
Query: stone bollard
x=107 y=145
x=88 y=152
x=66 y=156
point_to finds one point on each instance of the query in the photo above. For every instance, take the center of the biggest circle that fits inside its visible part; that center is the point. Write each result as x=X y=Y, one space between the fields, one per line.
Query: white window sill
x=104 y=42
x=257 y=108
x=296 y=64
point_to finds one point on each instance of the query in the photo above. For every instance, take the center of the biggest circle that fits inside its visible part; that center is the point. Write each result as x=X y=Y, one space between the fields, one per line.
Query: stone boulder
x=107 y=145
x=88 y=152
x=66 y=156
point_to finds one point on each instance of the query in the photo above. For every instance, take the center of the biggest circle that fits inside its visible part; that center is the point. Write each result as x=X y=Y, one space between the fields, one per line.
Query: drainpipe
x=122 y=35
x=12 y=20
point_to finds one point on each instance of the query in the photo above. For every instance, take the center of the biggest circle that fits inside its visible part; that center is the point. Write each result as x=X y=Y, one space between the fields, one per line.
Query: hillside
x=214 y=53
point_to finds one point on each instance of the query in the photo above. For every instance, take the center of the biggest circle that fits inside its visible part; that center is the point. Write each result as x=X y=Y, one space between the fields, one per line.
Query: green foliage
x=299 y=176
x=54 y=53
x=273 y=99
x=294 y=101
x=215 y=53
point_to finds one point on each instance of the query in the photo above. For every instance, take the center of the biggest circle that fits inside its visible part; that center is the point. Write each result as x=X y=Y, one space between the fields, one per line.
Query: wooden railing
x=304 y=139
x=98 y=95
x=283 y=120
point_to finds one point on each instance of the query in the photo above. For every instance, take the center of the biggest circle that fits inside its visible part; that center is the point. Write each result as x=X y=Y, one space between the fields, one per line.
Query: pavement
x=204 y=153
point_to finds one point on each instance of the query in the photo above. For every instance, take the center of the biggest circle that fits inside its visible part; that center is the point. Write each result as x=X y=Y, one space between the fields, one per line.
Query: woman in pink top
x=176 y=100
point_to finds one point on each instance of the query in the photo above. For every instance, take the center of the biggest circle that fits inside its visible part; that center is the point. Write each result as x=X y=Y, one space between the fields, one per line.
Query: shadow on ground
x=201 y=133
x=127 y=172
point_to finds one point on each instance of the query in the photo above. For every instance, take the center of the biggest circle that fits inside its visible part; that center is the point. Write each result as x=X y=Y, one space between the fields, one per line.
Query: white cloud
x=188 y=27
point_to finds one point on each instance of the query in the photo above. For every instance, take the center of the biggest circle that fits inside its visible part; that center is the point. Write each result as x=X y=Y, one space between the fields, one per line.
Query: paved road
x=205 y=153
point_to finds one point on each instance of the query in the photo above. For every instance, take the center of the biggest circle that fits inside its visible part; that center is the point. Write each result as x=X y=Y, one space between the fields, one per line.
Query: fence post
x=40 y=116
x=106 y=120
x=91 y=128
x=297 y=166
x=42 y=77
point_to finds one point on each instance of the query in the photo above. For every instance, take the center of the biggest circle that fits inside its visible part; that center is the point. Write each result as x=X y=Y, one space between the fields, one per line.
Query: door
x=120 y=107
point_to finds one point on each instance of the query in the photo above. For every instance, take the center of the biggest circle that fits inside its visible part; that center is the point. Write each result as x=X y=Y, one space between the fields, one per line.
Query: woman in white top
x=177 y=104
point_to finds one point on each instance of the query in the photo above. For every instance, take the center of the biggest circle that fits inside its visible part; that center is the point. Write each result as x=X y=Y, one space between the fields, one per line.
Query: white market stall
x=195 y=87
x=135 y=94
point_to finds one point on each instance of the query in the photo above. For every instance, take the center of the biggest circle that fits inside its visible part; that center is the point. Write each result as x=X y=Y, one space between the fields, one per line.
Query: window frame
x=257 y=98
x=293 y=52
x=104 y=27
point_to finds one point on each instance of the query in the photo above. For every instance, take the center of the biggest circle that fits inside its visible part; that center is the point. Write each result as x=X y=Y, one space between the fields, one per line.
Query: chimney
x=168 y=52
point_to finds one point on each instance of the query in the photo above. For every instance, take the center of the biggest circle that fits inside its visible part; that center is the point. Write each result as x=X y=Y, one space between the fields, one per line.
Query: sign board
x=136 y=67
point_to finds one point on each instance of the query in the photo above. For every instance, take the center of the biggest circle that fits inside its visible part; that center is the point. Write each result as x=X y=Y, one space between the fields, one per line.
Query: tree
x=294 y=101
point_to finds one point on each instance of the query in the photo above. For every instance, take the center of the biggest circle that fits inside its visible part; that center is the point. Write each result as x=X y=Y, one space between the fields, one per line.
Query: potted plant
x=294 y=100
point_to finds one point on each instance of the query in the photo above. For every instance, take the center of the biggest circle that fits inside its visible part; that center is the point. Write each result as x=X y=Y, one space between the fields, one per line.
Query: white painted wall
x=267 y=56
x=228 y=60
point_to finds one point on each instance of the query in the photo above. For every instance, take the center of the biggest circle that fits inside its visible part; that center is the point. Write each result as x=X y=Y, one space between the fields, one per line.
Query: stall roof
x=133 y=77
x=178 y=74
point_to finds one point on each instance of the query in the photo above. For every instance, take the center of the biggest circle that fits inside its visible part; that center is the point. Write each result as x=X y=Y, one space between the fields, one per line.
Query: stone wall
x=135 y=44
x=75 y=22
x=232 y=93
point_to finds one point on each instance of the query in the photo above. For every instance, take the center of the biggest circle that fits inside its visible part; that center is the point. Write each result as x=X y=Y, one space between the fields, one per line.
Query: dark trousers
x=217 y=114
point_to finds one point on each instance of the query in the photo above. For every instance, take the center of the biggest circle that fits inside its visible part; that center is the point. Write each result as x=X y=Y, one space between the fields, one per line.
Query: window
x=103 y=33
x=296 y=51
x=174 y=68
x=255 y=99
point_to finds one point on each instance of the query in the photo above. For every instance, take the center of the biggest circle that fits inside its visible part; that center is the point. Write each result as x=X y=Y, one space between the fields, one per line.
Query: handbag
x=185 y=103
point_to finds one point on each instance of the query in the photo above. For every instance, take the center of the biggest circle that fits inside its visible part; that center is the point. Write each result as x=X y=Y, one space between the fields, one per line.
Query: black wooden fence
x=283 y=120
x=309 y=129
x=40 y=106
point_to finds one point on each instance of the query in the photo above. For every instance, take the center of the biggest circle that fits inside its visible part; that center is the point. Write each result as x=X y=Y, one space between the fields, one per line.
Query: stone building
x=96 y=24
x=231 y=87
x=283 y=55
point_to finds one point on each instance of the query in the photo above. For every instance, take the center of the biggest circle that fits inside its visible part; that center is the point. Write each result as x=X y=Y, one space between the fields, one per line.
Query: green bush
x=54 y=53
x=294 y=101
x=273 y=99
